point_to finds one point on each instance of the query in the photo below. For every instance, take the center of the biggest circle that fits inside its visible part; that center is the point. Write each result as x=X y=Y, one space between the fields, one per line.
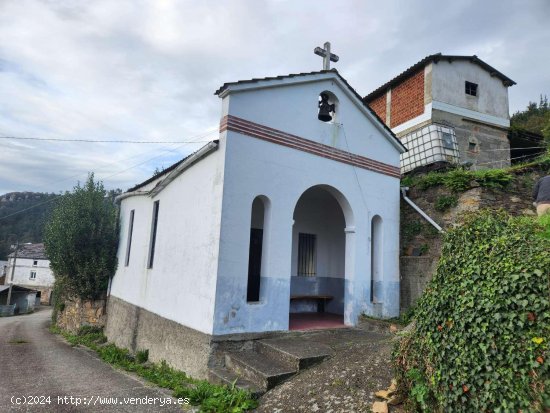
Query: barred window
x=307 y=255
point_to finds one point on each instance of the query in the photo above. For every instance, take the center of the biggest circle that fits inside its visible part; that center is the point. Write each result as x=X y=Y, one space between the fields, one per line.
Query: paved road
x=34 y=362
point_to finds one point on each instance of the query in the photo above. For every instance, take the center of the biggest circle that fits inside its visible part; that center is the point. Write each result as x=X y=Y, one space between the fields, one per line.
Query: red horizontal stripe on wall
x=278 y=137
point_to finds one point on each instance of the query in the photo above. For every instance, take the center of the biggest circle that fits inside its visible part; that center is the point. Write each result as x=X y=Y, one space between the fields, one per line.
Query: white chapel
x=289 y=220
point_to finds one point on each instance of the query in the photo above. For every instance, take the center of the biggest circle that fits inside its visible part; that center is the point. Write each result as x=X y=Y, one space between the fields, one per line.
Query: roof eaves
x=270 y=78
x=402 y=76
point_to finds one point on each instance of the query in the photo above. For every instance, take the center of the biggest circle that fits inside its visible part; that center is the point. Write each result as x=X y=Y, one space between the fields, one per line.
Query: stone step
x=296 y=354
x=263 y=371
x=223 y=376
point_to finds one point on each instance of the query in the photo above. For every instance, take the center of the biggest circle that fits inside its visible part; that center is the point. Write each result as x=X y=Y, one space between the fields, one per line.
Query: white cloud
x=147 y=70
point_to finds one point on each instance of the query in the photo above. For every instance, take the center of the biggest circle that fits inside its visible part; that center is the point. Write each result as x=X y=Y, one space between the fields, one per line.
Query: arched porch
x=322 y=218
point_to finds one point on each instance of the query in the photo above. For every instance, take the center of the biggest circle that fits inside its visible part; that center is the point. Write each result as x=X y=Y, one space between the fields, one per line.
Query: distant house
x=3 y=265
x=29 y=267
x=448 y=109
x=22 y=300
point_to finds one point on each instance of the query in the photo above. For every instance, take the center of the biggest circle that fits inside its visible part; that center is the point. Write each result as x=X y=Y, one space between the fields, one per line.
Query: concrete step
x=296 y=354
x=262 y=371
x=223 y=376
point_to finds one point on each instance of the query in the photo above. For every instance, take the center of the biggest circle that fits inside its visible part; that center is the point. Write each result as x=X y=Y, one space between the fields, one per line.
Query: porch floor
x=312 y=321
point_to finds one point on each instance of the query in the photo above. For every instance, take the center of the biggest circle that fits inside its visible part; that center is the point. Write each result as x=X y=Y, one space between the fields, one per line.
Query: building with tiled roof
x=448 y=109
x=28 y=266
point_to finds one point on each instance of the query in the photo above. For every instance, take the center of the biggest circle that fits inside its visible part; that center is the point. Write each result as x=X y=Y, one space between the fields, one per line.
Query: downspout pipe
x=404 y=190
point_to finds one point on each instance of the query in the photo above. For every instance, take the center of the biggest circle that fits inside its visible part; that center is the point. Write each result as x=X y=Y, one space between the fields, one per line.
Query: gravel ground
x=345 y=383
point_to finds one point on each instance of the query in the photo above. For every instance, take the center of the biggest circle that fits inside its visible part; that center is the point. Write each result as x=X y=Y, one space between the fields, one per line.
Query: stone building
x=289 y=220
x=32 y=270
x=448 y=109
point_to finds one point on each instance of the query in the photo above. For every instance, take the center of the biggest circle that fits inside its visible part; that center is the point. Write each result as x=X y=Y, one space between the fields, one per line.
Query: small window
x=35 y=263
x=306 y=255
x=473 y=145
x=33 y=275
x=130 y=231
x=471 y=88
x=154 y=225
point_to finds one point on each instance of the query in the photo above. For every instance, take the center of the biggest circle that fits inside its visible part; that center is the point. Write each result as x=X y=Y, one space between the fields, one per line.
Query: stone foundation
x=78 y=313
x=135 y=328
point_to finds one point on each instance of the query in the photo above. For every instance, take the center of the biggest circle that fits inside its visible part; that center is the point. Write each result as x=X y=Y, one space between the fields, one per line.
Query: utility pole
x=12 y=271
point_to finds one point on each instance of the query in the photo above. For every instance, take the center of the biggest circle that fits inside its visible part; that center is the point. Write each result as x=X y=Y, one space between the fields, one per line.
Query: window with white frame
x=35 y=263
x=33 y=275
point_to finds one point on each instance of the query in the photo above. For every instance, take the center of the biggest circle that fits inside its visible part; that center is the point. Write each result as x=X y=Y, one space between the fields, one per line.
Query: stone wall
x=483 y=145
x=421 y=243
x=77 y=313
x=135 y=328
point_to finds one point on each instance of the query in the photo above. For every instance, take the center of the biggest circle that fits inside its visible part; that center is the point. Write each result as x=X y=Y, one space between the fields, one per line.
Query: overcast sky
x=147 y=70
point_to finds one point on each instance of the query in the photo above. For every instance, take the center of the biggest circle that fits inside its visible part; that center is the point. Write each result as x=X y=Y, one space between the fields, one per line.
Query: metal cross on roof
x=326 y=55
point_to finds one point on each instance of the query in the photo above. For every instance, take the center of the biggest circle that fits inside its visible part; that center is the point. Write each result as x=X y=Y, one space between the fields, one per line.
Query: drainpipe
x=404 y=190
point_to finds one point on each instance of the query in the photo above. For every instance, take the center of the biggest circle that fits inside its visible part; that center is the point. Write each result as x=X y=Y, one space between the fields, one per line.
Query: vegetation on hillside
x=81 y=239
x=211 y=398
x=481 y=339
x=22 y=218
x=535 y=119
x=460 y=180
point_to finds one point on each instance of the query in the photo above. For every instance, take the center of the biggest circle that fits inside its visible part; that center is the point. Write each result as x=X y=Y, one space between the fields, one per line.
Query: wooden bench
x=321 y=300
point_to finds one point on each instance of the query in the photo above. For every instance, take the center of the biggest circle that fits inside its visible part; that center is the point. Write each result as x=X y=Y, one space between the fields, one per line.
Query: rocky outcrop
x=78 y=313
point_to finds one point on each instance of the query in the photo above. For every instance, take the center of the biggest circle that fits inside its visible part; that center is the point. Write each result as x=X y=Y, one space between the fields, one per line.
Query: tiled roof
x=436 y=58
x=352 y=90
x=31 y=251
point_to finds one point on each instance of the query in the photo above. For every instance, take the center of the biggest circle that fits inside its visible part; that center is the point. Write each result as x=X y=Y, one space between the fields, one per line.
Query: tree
x=81 y=239
x=535 y=119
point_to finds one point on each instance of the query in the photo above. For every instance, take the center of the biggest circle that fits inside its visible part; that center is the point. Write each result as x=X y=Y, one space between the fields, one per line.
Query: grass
x=211 y=398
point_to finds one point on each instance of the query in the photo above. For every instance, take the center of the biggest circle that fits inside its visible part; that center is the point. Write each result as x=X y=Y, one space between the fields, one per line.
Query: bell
x=325 y=109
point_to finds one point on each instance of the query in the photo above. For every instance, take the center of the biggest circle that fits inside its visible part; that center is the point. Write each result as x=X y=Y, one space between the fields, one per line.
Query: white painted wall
x=22 y=273
x=181 y=285
x=293 y=109
x=254 y=167
x=448 y=87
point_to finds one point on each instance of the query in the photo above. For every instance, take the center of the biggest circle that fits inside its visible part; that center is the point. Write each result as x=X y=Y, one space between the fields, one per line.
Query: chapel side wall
x=181 y=285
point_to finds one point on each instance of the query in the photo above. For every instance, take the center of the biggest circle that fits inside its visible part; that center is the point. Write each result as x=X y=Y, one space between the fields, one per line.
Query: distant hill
x=26 y=226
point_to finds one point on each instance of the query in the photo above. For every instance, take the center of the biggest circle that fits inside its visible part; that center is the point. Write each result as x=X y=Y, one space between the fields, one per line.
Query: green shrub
x=460 y=180
x=142 y=356
x=445 y=202
x=210 y=398
x=483 y=324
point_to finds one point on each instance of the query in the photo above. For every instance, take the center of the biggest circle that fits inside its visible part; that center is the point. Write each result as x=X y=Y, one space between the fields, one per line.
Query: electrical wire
x=92 y=141
x=110 y=176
